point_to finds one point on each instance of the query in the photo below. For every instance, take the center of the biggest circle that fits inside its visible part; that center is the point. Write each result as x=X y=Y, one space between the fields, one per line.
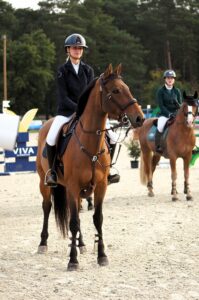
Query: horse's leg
x=74 y=226
x=81 y=245
x=187 y=190
x=98 y=220
x=90 y=204
x=147 y=157
x=173 y=179
x=155 y=161
x=46 y=205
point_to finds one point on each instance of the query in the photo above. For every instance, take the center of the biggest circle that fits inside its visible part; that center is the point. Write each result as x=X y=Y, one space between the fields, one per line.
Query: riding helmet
x=169 y=73
x=75 y=39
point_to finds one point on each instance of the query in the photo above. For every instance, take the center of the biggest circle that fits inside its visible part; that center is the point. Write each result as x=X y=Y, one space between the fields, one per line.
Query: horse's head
x=117 y=99
x=190 y=107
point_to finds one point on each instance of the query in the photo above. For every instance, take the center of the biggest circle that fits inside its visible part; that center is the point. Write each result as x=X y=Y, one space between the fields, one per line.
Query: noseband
x=110 y=96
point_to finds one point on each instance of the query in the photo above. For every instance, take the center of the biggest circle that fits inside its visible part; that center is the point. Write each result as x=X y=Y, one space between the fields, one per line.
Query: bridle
x=189 y=113
x=186 y=114
x=109 y=97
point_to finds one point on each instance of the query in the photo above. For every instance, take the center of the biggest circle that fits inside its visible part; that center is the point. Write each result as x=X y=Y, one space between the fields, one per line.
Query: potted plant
x=133 y=148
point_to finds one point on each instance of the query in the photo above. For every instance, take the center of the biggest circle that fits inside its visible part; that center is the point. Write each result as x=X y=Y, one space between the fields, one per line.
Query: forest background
x=146 y=36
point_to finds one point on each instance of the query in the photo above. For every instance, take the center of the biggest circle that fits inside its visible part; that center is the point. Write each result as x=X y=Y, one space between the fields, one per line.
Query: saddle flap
x=65 y=136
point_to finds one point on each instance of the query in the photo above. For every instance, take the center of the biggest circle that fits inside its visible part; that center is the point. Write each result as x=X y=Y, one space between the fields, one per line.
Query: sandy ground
x=152 y=243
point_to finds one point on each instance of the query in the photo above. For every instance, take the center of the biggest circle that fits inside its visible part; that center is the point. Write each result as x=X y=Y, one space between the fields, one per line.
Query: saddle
x=65 y=136
x=63 y=139
x=152 y=133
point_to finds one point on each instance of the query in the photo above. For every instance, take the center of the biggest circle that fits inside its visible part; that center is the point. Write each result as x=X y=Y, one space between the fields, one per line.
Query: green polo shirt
x=169 y=101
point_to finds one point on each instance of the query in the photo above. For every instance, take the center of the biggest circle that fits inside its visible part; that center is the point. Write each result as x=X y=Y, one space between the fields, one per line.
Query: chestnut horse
x=179 y=141
x=86 y=161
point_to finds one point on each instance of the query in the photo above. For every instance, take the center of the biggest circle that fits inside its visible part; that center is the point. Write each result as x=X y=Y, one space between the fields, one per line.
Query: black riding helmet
x=75 y=39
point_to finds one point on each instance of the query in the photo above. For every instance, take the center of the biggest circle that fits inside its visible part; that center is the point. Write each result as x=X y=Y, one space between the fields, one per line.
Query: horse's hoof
x=73 y=266
x=151 y=194
x=42 y=249
x=90 y=207
x=82 y=249
x=175 y=198
x=102 y=261
x=189 y=198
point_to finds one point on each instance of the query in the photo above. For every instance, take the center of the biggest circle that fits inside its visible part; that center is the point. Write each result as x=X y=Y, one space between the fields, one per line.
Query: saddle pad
x=151 y=134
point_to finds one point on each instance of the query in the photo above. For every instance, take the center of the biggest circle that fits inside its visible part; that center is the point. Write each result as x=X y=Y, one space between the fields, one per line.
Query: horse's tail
x=143 y=177
x=61 y=208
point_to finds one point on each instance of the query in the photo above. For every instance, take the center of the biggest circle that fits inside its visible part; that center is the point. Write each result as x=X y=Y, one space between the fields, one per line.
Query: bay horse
x=86 y=161
x=179 y=141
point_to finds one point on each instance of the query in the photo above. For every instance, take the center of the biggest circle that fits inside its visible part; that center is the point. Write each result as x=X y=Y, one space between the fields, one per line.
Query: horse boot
x=51 y=175
x=115 y=178
x=158 y=147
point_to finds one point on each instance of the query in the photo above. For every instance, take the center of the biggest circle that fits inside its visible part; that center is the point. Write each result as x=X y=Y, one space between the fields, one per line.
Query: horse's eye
x=115 y=91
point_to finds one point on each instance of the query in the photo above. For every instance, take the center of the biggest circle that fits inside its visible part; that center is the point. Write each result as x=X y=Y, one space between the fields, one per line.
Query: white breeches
x=113 y=136
x=161 y=123
x=57 y=124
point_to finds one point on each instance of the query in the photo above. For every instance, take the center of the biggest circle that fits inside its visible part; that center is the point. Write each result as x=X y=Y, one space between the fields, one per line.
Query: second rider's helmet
x=169 y=73
x=75 y=39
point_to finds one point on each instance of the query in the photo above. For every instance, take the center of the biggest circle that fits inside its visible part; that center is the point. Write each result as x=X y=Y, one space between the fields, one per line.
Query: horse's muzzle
x=136 y=122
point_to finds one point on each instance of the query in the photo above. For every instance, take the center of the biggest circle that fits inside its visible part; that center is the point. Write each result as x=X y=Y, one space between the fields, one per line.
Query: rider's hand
x=177 y=104
x=171 y=116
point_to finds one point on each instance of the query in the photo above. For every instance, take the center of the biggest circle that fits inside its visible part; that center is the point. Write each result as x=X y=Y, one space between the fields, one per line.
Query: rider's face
x=170 y=81
x=75 y=52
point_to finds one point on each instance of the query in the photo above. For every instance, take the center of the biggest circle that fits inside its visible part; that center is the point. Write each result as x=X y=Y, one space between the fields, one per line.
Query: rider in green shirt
x=169 y=100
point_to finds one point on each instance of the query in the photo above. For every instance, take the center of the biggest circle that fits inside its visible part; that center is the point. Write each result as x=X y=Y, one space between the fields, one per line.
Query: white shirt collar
x=76 y=67
x=168 y=87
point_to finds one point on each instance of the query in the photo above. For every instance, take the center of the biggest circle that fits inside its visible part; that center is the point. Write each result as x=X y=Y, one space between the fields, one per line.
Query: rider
x=169 y=100
x=72 y=78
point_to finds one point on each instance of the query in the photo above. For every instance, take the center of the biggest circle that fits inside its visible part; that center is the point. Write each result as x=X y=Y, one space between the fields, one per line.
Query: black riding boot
x=158 y=147
x=51 y=175
x=115 y=177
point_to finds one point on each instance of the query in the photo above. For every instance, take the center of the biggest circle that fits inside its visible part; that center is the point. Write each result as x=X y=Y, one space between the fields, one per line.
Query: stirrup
x=113 y=178
x=49 y=180
x=159 y=150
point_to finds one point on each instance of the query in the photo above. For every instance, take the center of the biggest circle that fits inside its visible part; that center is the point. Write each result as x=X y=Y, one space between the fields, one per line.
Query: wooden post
x=4 y=69
x=168 y=52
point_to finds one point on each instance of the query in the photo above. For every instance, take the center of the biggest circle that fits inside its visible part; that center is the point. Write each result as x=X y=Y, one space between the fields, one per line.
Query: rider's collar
x=168 y=87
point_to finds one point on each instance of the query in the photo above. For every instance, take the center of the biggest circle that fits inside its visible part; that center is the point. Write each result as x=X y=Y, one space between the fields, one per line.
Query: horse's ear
x=184 y=95
x=108 y=71
x=195 y=95
x=118 y=69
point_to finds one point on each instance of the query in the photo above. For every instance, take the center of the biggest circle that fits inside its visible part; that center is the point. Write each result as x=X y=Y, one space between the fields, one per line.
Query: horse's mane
x=83 y=99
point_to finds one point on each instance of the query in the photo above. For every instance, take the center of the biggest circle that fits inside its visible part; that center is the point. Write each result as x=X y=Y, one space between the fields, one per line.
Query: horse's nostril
x=139 y=120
